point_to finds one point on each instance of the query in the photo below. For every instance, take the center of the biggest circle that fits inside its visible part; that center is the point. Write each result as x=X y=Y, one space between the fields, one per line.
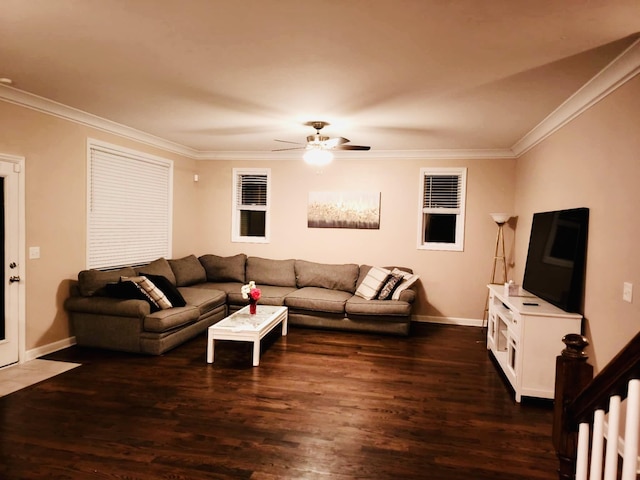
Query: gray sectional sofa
x=106 y=309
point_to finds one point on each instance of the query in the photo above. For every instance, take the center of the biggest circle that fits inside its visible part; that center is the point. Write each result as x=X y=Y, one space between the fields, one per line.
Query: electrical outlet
x=627 y=292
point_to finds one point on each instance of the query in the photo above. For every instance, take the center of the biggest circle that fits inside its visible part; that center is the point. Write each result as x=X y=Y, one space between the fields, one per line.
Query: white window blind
x=251 y=193
x=442 y=193
x=129 y=207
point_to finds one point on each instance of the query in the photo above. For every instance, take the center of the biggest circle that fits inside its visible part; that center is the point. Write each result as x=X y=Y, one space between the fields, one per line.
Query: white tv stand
x=526 y=339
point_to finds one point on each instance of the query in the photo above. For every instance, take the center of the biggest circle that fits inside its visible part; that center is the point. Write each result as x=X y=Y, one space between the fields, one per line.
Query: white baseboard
x=50 y=348
x=467 y=322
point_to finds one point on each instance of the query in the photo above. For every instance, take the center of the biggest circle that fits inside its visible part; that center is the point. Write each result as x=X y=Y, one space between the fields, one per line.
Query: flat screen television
x=555 y=267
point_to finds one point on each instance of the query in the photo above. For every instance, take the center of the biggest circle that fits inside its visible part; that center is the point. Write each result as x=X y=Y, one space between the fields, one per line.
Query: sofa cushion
x=224 y=269
x=126 y=289
x=334 y=277
x=93 y=282
x=318 y=299
x=165 y=320
x=226 y=287
x=359 y=306
x=168 y=288
x=372 y=283
x=188 y=270
x=158 y=267
x=264 y=271
x=205 y=299
x=269 y=295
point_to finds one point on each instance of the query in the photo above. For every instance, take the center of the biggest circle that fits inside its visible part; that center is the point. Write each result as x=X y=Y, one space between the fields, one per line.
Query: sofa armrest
x=408 y=295
x=108 y=306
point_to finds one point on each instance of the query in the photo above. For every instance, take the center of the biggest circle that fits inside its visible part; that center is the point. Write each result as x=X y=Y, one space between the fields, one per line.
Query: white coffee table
x=244 y=327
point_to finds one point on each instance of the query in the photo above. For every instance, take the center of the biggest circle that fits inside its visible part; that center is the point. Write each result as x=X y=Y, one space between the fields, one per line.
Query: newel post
x=573 y=373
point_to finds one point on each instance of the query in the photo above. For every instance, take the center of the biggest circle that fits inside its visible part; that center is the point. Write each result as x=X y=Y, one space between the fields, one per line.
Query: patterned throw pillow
x=126 y=289
x=408 y=280
x=390 y=286
x=373 y=282
x=169 y=289
x=154 y=292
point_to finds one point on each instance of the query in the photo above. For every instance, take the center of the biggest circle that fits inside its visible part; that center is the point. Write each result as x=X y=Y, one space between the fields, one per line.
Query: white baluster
x=630 y=457
x=597 y=445
x=582 y=459
x=611 y=458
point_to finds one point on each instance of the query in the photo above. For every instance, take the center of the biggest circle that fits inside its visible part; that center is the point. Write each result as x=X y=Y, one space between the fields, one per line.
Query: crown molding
x=368 y=155
x=51 y=107
x=619 y=71
x=622 y=69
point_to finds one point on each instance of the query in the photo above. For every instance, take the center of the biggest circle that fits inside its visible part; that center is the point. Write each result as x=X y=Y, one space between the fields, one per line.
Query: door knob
x=14 y=278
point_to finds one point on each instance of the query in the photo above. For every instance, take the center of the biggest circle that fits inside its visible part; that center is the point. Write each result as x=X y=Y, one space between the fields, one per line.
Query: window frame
x=237 y=208
x=129 y=246
x=458 y=244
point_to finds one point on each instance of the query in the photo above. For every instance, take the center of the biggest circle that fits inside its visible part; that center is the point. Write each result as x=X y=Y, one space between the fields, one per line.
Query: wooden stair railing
x=582 y=401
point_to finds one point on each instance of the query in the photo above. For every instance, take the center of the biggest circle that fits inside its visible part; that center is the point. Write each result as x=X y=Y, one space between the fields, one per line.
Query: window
x=442 y=208
x=129 y=211
x=251 y=200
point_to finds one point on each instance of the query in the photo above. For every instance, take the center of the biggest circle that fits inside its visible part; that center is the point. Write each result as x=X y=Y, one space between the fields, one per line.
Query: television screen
x=556 y=258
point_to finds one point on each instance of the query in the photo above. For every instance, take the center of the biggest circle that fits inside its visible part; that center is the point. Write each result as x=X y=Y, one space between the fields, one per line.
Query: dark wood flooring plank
x=321 y=405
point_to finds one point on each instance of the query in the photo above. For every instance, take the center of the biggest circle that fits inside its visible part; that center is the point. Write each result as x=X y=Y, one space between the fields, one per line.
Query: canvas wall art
x=344 y=210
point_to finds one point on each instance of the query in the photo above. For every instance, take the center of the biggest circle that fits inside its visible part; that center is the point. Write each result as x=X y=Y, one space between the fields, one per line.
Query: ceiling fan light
x=317 y=157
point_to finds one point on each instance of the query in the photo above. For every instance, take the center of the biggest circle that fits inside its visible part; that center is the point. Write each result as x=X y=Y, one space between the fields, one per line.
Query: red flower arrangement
x=253 y=293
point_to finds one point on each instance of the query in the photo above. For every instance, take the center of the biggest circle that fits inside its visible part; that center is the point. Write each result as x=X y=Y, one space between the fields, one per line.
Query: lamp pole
x=498 y=256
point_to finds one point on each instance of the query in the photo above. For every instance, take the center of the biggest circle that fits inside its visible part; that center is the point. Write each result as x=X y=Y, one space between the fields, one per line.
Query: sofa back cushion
x=224 y=269
x=159 y=267
x=264 y=271
x=336 y=277
x=188 y=271
x=93 y=282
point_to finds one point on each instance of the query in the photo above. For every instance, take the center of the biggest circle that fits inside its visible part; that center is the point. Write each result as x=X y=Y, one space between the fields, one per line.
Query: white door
x=9 y=262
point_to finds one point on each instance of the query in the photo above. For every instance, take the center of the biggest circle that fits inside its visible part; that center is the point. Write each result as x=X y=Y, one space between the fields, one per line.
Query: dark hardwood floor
x=320 y=405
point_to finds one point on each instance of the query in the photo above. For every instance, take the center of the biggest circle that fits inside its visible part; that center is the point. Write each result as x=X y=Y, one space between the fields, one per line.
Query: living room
x=585 y=158
x=588 y=162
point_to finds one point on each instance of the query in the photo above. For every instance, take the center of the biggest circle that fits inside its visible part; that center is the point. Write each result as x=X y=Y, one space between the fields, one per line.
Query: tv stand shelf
x=525 y=340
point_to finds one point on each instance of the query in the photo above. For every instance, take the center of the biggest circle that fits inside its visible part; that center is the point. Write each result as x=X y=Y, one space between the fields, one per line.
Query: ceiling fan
x=321 y=142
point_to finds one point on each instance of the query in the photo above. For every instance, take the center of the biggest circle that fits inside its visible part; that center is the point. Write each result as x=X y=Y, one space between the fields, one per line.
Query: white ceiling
x=220 y=76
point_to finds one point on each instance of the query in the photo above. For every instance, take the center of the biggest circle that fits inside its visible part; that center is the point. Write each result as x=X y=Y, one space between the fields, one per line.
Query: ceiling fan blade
x=287 y=141
x=334 y=142
x=292 y=148
x=352 y=147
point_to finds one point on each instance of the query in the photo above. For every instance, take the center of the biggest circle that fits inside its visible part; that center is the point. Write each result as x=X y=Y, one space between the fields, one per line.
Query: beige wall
x=452 y=283
x=593 y=162
x=55 y=177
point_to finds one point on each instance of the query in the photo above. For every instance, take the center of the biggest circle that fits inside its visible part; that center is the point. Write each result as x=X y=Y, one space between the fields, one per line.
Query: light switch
x=627 y=292
x=34 y=252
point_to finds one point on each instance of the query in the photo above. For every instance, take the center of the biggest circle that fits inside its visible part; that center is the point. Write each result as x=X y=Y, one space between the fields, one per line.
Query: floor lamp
x=498 y=256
